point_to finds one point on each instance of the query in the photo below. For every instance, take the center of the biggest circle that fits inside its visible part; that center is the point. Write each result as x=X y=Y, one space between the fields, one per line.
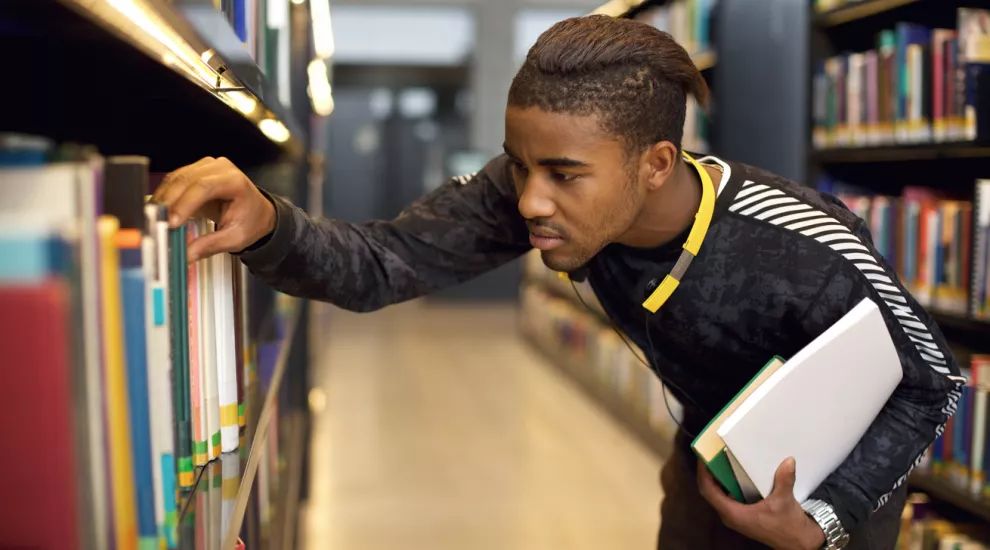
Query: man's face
x=577 y=189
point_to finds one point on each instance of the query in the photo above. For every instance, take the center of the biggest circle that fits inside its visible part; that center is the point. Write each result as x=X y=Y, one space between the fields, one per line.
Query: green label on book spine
x=185 y=464
x=216 y=439
x=199 y=447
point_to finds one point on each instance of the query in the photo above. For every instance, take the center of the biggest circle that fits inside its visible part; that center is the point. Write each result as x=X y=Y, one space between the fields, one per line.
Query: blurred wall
x=386 y=46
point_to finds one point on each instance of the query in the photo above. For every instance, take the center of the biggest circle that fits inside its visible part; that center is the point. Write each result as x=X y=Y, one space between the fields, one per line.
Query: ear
x=659 y=161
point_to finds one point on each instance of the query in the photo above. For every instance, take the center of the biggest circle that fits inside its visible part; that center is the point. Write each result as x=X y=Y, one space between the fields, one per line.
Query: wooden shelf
x=942 y=491
x=900 y=153
x=859 y=10
x=958 y=323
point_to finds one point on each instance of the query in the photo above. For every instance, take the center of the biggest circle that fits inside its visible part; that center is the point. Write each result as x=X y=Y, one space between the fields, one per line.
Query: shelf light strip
x=322 y=28
x=141 y=24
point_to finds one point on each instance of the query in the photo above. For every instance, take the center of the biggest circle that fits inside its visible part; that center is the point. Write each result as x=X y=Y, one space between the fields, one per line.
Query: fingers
x=713 y=493
x=783 y=479
x=174 y=182
x=227 y=239
x=204 y=188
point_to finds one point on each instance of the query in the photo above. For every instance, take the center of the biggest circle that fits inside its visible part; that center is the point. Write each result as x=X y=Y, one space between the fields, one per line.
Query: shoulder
x=757 y=196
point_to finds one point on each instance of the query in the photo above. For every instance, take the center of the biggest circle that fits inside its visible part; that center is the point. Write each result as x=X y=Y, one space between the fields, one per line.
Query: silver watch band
x=836 y=537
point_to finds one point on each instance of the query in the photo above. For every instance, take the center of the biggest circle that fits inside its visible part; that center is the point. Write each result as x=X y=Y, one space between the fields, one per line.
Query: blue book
x=135 y=344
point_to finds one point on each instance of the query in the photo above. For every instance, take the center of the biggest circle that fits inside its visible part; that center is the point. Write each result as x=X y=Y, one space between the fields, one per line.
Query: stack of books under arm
x=919 y=85
x=803 y=407
x=938 y=243
x=129 y=367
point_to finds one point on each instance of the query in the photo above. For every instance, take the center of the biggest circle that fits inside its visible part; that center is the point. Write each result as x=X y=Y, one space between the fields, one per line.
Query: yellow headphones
x=702 y=219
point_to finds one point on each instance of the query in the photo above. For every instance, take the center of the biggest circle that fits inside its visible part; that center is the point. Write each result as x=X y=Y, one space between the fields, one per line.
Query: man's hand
x=217 y=189
x=777 y=521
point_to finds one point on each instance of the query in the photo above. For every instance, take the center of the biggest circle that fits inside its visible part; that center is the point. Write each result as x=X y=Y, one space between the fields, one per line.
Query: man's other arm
x=921 y=404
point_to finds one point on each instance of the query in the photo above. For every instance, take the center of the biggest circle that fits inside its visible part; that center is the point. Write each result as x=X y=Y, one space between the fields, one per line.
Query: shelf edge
x=941 y=491
x=261 y=434
x=847 y=14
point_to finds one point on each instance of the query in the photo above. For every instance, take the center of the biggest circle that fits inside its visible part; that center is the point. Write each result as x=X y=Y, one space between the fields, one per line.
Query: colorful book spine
x=197 y=354
x=115 y=375
x=157 y=323
x=178 y=293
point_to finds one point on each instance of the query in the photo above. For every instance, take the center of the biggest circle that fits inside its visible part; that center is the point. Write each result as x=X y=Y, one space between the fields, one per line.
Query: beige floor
x=440 y=429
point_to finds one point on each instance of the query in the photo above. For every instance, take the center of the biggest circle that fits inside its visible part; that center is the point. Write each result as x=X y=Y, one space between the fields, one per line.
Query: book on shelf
x=801 y=407
x=939 y=244
x=923 y=528
x=919 y=85
x=104 y=331
x=959 y=456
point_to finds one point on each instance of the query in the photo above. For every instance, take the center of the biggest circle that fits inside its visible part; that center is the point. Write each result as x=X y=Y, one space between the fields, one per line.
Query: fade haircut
x=633 y=76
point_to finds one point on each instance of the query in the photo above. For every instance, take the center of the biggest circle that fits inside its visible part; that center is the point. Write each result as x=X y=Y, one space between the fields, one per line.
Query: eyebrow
x=551 y=162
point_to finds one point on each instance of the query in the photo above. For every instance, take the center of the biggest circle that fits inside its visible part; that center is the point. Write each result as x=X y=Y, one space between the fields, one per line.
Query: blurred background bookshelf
x=155 y=85
x=899 y=109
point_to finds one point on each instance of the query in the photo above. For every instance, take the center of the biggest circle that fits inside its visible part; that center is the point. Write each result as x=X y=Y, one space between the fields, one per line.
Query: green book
x=710 y=448
x=178 y=296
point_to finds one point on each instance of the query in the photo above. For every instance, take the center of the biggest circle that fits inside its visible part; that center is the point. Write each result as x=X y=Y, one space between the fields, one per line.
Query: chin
x=556 y=261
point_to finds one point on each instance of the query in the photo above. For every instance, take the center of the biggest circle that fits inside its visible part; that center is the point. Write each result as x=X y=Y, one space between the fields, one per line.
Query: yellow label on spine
x=228 y=415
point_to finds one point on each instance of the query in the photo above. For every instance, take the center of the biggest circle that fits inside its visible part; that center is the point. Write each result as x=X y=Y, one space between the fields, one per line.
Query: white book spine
x=223 y=295
x=157 y=354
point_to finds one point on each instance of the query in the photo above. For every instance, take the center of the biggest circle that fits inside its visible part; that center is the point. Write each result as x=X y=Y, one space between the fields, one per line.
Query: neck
x=668 y=211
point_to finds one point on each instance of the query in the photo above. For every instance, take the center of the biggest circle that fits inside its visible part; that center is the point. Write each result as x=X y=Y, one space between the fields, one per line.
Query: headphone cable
x=655 y=368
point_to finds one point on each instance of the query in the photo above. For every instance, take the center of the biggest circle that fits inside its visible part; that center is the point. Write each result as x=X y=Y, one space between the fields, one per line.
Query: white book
x=223 y=298
x=155 y=246
x=817 y=406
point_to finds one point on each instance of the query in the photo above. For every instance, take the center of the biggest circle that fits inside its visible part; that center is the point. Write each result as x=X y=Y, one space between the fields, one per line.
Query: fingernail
x=173 y=220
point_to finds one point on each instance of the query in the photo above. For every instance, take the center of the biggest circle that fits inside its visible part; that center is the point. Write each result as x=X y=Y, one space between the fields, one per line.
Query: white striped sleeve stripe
x=799 y=216
x=773 y=212
x=756 y=198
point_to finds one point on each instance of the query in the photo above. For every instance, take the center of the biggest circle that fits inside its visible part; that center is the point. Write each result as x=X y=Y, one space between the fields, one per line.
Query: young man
x=594 y=177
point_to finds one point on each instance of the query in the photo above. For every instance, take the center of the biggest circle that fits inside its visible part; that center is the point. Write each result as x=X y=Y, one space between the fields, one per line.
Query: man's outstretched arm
x=466 y=227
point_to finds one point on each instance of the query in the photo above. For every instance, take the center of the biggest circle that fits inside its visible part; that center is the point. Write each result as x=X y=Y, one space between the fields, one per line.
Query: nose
x=535 y=201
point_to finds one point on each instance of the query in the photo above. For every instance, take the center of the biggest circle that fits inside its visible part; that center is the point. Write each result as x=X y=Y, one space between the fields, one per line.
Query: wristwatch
x=836 y=537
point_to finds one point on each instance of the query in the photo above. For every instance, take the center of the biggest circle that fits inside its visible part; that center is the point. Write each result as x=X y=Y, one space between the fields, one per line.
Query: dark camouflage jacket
x=780 y=264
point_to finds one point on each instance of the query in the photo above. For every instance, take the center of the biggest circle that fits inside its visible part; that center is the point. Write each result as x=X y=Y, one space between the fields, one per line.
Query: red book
x=39 y=478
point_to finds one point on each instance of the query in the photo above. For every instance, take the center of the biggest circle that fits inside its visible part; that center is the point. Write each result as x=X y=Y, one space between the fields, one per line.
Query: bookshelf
x=168 y=81
x=895 y=155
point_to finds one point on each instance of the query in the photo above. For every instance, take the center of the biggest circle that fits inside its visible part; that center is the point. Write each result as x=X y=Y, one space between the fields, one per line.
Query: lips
x=543 y=240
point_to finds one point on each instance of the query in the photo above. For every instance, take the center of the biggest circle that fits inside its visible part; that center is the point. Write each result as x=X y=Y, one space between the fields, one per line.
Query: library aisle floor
x=436 y=427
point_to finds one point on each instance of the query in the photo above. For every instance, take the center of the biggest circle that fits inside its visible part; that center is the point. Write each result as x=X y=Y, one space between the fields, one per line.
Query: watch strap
x=824 y=515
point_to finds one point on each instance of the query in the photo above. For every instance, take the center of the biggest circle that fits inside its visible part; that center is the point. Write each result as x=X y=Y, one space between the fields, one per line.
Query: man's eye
x=519 y=166
x=560 y=176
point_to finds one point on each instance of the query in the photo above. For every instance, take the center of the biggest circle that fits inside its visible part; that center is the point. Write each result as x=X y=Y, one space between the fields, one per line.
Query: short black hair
x=633 y=76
